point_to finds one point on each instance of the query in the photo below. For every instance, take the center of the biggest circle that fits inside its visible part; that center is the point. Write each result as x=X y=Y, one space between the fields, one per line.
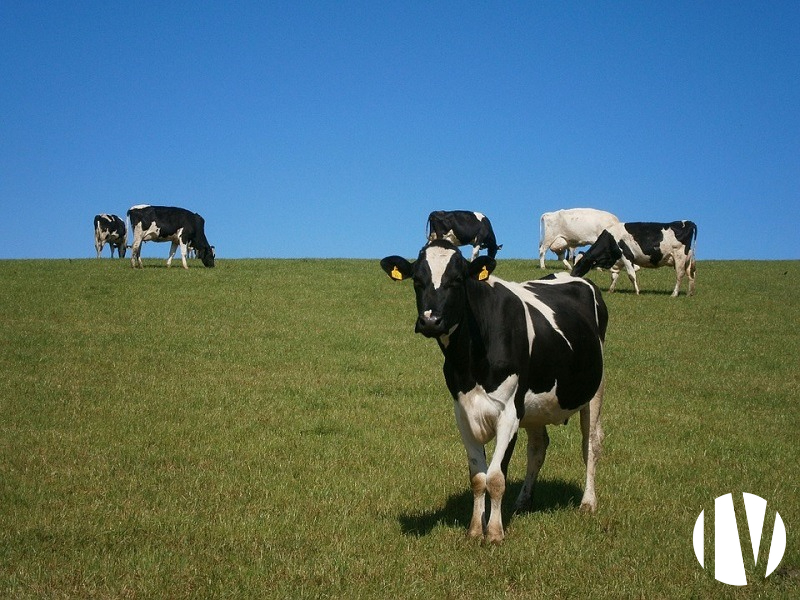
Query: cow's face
x=441 y=276
x=604 y=253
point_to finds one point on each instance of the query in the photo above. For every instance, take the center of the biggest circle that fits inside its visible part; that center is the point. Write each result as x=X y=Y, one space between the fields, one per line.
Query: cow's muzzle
x=430 y=325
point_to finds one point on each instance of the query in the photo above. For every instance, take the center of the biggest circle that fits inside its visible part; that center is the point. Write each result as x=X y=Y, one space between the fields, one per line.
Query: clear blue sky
x=332 y=129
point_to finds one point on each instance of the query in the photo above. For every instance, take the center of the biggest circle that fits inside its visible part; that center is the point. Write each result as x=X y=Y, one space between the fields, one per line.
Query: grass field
x=273 y=428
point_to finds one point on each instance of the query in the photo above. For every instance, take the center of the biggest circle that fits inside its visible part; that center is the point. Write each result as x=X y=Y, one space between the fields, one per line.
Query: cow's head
x=441 y=276
x=206 y=254
x=604 y=253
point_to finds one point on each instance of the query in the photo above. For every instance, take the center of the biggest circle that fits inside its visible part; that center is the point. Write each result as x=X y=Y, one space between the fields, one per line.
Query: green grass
x=273 y=428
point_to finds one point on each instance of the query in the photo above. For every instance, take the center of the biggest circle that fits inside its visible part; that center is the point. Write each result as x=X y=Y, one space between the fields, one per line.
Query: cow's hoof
x=493 y=539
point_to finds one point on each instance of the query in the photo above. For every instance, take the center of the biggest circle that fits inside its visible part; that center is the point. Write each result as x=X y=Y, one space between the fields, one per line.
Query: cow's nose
x=429 y=325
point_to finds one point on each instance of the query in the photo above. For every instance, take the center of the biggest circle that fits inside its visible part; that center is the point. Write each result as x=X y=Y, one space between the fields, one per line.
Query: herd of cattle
x=527 y=354
x=183 y=228
x=515 y=354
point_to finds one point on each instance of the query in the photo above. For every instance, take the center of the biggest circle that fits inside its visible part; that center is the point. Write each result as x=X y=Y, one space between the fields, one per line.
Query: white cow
x=565 y=230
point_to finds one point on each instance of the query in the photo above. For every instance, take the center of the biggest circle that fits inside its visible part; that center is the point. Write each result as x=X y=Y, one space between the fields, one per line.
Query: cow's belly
x=543 y=409
x=479 y=410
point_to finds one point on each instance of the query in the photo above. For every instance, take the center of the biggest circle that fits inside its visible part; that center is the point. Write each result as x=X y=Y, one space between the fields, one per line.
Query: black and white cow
x=110 y=229
x=515 y=355
x=632 y=245
x=463 y=228
x=169 y=224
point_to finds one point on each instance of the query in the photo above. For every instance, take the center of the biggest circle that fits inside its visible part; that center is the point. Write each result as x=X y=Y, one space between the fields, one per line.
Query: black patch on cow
x=466 y=227
x=604 y=253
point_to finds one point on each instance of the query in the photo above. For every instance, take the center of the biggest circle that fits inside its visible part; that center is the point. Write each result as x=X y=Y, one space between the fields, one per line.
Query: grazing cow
x=463 y=228
x=515 y=355
x=110 y=229
x=565 y=230
x=169 y=224
x=632 y=245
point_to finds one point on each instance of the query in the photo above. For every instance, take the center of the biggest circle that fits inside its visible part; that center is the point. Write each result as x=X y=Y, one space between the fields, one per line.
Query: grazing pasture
x=274 y=428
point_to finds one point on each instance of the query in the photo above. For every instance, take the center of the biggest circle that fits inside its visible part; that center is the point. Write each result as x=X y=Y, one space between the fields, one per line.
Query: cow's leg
x=614 y=276
x=475 y=251
x=98 y=245
x=184 y=252
x=507 y=427
x=538 y=440
x=172 y=248
x=476 y=456
x=592 y=432
x=630 y=269
x=680 y=271
x=690 y=271
x=136 y=249
x=542 y=252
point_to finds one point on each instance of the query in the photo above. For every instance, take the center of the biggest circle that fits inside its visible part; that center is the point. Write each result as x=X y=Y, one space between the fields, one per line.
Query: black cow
x=633 y=245
x=515 y=354
x=110 y=229
x=463 y=228
x=169 y=224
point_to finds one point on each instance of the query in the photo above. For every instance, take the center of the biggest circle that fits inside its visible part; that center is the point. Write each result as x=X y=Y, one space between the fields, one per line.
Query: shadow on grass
x=457 y=511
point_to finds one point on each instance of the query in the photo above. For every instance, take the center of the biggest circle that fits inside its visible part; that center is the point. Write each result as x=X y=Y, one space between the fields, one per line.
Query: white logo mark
x=728 y=559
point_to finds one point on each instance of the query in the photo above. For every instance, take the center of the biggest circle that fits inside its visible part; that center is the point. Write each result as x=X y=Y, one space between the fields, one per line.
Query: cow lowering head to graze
x=515 y=355
x=169 y=224
x=463 y=228
x=110 y=229
x=651 y=245
x=564 y=230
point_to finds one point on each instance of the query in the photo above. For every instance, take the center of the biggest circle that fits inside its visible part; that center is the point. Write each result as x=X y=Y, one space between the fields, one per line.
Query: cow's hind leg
x=680 y=271
x=691 y=269
x=538 y=440
x=173 y=247
x=592 y=432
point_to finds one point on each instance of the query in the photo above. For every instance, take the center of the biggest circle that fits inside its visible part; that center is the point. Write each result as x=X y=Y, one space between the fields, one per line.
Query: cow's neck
x=465 y=352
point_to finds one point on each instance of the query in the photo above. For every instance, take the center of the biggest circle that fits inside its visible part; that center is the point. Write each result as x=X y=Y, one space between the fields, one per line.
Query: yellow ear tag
x=484 y=274
x=396 y=274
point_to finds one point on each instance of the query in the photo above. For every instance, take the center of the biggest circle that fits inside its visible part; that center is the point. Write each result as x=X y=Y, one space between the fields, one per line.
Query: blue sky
x=332 y=129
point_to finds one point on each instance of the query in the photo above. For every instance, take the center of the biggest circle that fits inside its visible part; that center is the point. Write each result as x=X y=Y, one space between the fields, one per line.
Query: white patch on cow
x=543 y=409
x=438 y=258
x=445 y=339
x=478 y=411
x=529 y=298
x=479 y=216
x=139 y=206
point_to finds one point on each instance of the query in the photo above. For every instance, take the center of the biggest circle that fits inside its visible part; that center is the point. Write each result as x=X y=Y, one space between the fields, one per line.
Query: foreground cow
x=632 y=245
x=515 y=354
x=565 y=230
x=110 y=229
x=169 y=224
x=463 y=228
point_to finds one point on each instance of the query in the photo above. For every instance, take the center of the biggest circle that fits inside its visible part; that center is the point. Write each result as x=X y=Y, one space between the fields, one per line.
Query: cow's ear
x=397 y=267
x=481 y=268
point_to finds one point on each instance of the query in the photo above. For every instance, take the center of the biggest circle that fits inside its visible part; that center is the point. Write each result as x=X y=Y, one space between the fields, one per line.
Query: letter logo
x=728 y=557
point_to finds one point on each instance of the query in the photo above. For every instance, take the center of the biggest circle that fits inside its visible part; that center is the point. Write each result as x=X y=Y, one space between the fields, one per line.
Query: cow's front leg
x=184 y=252
x=476 y=455
x=507 y=428
x=477 y=477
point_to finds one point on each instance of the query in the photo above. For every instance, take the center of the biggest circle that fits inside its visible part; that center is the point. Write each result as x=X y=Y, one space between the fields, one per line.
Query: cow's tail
x=693 y=249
